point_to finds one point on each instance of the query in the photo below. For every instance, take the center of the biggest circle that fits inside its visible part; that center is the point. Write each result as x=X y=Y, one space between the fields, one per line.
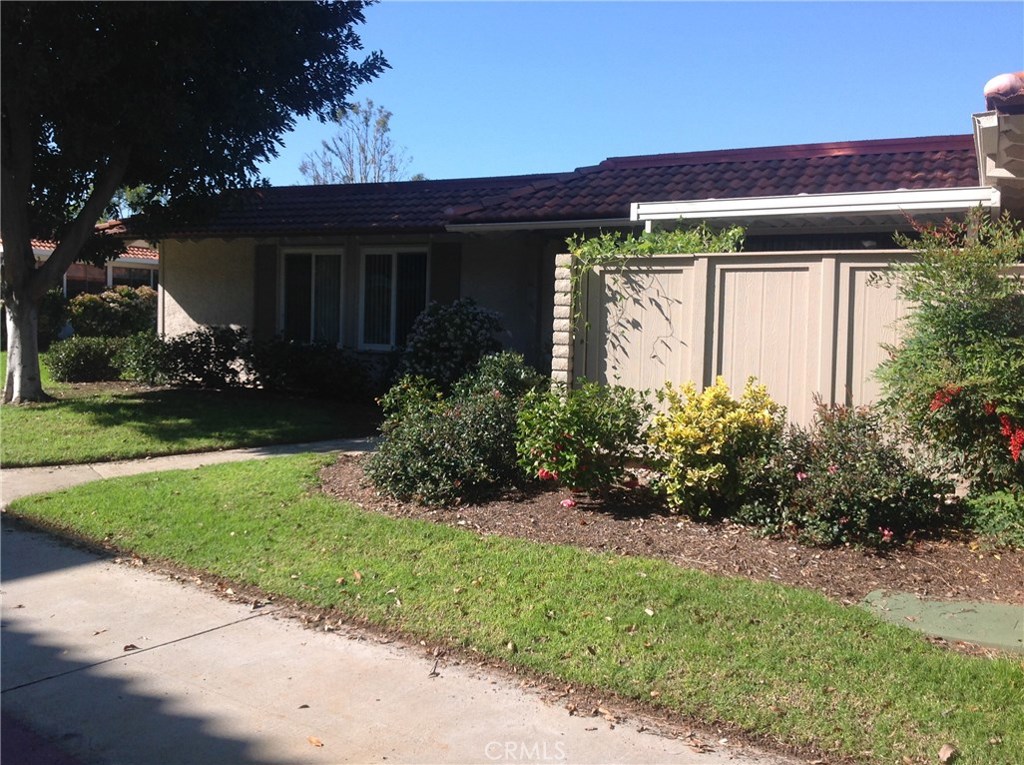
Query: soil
x=957 y=569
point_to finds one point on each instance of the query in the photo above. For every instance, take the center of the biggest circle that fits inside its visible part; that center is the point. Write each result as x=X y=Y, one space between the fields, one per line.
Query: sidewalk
x=105 y=662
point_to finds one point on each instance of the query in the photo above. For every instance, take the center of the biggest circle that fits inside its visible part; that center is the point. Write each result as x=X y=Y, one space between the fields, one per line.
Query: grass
x=780 y=662
x=120 y=421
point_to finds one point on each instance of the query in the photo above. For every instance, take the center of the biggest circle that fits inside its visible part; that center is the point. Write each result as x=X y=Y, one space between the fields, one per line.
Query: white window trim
x=282 y=294
x=394 y=252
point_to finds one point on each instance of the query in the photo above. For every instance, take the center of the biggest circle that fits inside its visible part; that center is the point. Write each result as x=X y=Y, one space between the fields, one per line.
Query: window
x=133 y=277
x=394 y=294
x=312 y=297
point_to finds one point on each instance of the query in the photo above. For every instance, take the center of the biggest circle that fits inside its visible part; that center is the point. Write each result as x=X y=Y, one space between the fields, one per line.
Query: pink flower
x=801 y=476
x=570 y=502
x=833 y=469
x=547 y=475
x=886 y=534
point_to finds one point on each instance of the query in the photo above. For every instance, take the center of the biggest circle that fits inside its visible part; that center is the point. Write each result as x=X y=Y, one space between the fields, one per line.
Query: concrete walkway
x=105 y=662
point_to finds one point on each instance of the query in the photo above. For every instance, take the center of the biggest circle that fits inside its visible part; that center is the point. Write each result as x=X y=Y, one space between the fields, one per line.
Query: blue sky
x=502 y=88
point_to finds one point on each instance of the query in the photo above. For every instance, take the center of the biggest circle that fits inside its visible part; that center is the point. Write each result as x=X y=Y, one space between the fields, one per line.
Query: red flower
x=943 y=396
x=990 y=407
x=1016 y=444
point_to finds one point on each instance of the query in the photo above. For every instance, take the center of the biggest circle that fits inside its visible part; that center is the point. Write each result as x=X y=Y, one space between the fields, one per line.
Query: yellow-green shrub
x=705 y=441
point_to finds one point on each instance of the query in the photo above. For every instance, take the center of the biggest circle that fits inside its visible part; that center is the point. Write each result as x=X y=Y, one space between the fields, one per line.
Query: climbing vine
x=612 y=250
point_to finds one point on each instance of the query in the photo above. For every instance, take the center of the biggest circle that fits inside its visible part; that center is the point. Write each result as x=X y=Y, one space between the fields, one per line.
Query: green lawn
x=781 y=662
x=121 y=421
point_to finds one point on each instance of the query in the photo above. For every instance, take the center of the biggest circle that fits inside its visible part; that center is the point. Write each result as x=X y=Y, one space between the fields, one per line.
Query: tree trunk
x=23 y=382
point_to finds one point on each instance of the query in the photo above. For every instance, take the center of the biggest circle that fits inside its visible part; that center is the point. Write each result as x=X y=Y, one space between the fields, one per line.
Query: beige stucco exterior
x=211 y=281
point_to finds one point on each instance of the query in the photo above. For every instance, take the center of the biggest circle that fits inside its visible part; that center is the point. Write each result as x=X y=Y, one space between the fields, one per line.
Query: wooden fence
x=803 y=323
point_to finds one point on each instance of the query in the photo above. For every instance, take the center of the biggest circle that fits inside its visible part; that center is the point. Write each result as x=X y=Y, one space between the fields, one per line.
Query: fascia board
x=802 y=205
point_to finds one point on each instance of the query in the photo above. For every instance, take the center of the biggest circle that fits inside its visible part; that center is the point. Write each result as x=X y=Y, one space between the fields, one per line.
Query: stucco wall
x=205 y=282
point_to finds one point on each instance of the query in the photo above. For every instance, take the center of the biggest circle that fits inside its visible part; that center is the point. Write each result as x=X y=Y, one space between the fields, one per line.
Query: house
x=138 y=266
x=355 y=264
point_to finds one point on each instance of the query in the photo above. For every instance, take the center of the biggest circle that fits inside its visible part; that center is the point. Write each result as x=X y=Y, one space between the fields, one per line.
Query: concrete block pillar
x=562 y=327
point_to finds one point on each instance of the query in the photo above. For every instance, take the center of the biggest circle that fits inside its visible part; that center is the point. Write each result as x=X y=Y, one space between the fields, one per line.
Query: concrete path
x=105 y=662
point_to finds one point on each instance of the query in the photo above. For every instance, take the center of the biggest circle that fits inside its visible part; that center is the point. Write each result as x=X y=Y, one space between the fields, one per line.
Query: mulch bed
x=952 y=569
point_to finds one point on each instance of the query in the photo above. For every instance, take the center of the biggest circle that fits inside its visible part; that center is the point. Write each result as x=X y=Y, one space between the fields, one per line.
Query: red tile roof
x=131 y=251
x=601 y=192
x=605 y=191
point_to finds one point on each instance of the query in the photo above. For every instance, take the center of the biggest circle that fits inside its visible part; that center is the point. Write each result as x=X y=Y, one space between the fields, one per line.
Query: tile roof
x=398 y=207
x=600 y=192
x=605 y=191
x=131 y=251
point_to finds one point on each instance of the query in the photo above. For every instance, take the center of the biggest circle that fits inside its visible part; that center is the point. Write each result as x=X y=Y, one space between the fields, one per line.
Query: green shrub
x=84 y=359
x=843 y=480
x=53 y=316
x=440 y=450
x=447 y=340
x=118 y=312
x=142 y=357
x=582 y=438
x=209 y=357
x=319 y=371
x=954 y=382
x=998 y=517
x=703 y=440
x=506 y=372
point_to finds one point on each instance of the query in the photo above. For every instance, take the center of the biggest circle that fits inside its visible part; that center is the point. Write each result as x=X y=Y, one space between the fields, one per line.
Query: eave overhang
x=485 y=228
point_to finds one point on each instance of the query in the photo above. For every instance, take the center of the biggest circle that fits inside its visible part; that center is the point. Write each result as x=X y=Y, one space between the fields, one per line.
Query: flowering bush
x=842 y=480
x=441 y=450
x=954 y=383
x=702 y=439
x=581 y=438
x=447 y=340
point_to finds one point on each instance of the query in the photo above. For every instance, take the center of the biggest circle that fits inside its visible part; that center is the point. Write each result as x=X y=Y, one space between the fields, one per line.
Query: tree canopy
x=185 y=99
x=361 y=151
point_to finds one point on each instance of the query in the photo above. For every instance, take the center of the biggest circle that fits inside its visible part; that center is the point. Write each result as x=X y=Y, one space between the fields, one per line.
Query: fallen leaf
x=948 y=753
x=357 y=575
x=131 y=647
x=315 y=741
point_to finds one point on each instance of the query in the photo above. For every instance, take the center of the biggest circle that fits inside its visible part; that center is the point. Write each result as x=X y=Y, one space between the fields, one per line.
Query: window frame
x=394 y=251
x=282 y=290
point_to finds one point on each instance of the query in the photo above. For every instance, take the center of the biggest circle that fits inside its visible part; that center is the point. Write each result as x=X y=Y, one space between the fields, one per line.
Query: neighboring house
x=138 y=266
x=355 y=264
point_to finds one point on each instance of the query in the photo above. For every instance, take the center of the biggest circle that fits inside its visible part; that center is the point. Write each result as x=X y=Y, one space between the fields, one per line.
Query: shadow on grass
x=239 y=417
